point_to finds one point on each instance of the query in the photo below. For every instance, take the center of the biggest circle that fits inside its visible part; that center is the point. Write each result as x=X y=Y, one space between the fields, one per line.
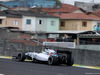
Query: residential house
x=10 y=20
x=29 y=21
x=77 y=21
x=97 y=14
x=3 y=7
x=39 y=22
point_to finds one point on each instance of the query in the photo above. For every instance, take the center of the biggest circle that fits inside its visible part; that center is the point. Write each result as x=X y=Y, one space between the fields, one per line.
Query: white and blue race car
x=48 y=55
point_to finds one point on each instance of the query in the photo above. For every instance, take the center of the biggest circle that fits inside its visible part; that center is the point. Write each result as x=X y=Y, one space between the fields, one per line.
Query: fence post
x=3 y=45
x=23 y=47
x=77 y=48
x=28 y=45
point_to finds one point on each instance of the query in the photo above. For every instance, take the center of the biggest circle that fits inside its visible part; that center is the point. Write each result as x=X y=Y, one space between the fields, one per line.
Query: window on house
x=98 y=24
x=16 y=22
x=62 y=24
x=28 y=21
x=15 y=5
x=52 y=23
x=84 y=24
x=40 y=22
x=0 y=21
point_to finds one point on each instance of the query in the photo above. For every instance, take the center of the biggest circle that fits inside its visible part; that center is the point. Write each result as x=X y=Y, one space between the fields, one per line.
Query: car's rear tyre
x=21 y=57
x=52 y=60
x=69 y=62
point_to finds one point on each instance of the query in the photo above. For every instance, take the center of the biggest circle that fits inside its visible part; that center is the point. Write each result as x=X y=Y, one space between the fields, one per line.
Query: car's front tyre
x=21 y=57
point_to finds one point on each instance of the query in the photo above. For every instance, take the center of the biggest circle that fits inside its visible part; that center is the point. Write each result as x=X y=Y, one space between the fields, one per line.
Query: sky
x=72 y=1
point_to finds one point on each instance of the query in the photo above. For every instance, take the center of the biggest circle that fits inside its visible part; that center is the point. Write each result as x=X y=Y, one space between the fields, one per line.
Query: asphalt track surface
x=10 y=67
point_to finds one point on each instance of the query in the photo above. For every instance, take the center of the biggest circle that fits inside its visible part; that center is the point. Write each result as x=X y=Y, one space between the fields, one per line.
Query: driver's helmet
x=47 y=50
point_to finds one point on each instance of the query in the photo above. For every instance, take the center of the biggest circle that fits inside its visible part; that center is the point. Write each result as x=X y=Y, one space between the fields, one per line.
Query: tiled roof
x=24 y=13
x=8 y=14
x=76 y=16
x=97 y=13
x=66 y=8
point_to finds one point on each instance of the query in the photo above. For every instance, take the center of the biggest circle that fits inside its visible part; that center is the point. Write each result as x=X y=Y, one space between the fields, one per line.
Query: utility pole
x=93 y=1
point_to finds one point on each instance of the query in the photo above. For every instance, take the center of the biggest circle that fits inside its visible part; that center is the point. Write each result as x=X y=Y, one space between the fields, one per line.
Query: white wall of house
x=41 y=24
x=30 y=26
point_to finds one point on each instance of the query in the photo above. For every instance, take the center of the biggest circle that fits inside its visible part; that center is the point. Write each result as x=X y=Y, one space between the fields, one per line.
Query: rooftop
x=80 y=16
x=97 y=13
x=65 y=8
x=70 y=32
x=24 y=13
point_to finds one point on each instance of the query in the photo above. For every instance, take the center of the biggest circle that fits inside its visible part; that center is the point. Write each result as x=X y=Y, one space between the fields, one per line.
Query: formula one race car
x=49 y=55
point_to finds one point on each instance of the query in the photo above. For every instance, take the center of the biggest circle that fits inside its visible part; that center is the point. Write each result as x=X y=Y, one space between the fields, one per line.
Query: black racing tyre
x=21 y=57
x=52 y=60
x=70 y=62
x=34 y=60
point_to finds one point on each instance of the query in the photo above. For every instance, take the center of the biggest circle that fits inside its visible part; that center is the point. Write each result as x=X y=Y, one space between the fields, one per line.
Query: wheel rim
x=50 y=61
x=19 y=57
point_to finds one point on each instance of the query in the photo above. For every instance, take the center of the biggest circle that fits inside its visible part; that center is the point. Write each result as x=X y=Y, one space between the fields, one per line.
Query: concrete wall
x=87 y=57
x=84 y=57
x=5 y=33
x=89 y=47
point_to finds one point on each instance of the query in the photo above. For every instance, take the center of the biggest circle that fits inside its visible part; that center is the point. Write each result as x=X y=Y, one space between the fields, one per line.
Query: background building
x=88 y=6
x=30 y=3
